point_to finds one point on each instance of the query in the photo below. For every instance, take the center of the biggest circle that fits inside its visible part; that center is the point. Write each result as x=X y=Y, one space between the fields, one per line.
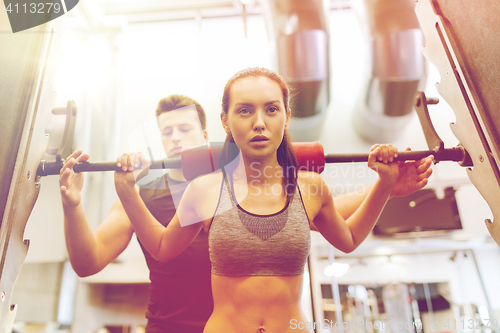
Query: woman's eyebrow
x=243 y=104
x=251 y=104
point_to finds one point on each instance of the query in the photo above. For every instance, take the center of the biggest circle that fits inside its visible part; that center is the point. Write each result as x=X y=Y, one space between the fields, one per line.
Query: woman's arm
x=347 y=235
x=164 y=244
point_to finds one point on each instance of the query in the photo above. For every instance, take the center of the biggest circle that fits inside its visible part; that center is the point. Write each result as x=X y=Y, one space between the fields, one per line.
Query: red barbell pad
x=197 y=161
x=205 y=159
x=310 y=156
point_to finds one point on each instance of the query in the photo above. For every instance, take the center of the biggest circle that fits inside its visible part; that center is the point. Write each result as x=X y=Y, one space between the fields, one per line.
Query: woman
x=258 y=212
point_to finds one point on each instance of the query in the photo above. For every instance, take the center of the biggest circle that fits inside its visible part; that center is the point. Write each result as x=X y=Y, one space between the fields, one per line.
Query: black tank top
x=180 y=295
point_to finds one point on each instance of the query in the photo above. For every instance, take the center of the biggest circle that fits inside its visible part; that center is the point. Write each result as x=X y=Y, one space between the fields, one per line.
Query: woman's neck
x=264 y=171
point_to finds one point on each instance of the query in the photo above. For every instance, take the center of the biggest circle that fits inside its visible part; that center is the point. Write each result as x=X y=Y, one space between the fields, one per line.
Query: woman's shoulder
x=207 y=181
x=202 y=195
x=308 y=177
x=311 y=184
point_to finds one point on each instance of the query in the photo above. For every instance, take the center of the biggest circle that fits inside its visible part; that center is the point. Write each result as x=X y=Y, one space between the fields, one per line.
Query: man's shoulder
x=156 y=183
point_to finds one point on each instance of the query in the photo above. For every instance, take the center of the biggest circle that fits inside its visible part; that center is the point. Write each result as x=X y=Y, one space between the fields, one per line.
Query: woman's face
x=257 y=117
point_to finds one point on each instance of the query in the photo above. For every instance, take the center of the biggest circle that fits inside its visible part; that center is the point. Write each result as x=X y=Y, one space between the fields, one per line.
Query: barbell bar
x=205 y=159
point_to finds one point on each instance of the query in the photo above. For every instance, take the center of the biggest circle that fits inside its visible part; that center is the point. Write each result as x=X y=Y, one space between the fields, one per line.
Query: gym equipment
x=205 y=159
x=26 y=95
x=461 y=41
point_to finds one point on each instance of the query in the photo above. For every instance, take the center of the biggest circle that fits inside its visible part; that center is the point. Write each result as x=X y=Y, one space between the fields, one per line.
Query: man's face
x=180 y=128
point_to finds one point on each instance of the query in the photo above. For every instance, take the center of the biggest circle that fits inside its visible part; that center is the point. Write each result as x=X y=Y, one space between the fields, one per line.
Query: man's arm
x=89 y=252
x=413 y=175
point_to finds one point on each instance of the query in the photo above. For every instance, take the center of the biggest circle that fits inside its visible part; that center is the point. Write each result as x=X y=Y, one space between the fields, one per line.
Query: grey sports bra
x=242 y=243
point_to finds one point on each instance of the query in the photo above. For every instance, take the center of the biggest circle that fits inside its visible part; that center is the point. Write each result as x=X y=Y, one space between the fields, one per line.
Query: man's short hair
x=174 y=102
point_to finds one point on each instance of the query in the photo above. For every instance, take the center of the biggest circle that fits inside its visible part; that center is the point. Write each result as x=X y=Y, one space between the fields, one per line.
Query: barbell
x=205 y=159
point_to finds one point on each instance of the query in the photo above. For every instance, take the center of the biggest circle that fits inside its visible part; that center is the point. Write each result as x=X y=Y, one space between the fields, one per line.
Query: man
x=180 y=298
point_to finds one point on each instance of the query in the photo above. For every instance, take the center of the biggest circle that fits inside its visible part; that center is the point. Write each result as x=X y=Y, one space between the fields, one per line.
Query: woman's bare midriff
x=256 y=304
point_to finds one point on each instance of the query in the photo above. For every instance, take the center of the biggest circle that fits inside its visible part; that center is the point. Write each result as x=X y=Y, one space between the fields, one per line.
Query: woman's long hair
x=285 y=154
